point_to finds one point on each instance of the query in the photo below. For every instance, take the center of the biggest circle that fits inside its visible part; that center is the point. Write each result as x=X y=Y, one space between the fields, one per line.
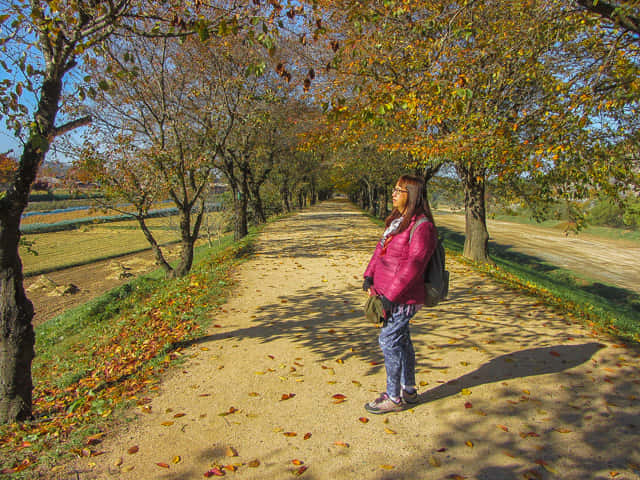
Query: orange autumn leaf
x=162 y=464
x=363 y=419
x=287 y=396
x=341 y=444
x=389 y=431
x=133 y=450
x=254 y=463
x=297 y=462
x=307 y=436
x=231 y=452
x=301 y=470
x=166 y=424
x=503 y=428
x=231 y=468
x=178 y=415
x=339 y=396
x=562 y=430
x=387 y=467
x=468 y=405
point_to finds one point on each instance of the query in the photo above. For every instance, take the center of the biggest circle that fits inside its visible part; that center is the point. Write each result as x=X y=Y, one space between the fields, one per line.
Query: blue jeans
x=399 y=356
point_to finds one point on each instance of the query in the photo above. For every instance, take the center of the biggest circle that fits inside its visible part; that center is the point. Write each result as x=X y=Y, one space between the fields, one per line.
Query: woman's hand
x=387 y=305
x=367 y=284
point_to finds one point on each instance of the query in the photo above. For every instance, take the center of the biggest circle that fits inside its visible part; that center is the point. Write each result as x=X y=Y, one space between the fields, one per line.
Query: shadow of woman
x=525 y=363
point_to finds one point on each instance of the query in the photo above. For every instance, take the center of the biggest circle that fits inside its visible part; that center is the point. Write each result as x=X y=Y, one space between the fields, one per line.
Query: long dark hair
x=417 y=202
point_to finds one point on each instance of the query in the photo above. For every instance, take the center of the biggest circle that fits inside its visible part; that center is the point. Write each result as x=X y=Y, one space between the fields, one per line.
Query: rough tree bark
x=476 y=242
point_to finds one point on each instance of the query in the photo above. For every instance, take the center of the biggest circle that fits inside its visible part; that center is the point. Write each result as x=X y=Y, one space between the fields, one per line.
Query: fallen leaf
x=562 y=430
x=528 y=434
x=307 y=436
x=287 y=396
x=388 y=430
x=465 y=391
x=339 y=396
x=231 y=468
x=254 y=463
x=133 y=450
x=290 y=434
x=468 y=405
x=387 y=467
x=178 y=415
x=341 y=444
x=503 y=427
x=92 y=440
x=363 y=419
x=176 y=459
x=469 y=443
x=297 y=462
x=301 y=470
x=166 y=424
x=214 y=472
x=163 y=465
x=231 y=452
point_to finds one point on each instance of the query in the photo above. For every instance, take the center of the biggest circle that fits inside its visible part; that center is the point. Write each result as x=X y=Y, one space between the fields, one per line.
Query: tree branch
x=67 y=127
x=613 y=12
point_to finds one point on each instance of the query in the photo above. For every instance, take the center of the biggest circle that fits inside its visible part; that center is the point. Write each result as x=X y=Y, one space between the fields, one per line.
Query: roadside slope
x=508 y=387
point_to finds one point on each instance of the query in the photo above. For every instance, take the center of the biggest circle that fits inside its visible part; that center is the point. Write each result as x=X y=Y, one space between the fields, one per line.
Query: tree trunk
x=476 y=242
x=155 y=248
x=241 y=202
x=17 y=337
x=256 y=202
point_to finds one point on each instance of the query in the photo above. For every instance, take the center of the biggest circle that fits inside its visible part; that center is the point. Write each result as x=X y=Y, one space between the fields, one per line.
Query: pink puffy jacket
x=398 y=272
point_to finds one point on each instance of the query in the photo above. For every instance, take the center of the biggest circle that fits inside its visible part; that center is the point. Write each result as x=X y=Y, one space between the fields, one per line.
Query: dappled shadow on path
x=531 y=397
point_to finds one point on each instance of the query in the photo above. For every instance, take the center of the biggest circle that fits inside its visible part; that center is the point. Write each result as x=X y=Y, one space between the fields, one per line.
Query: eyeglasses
x=399 y=190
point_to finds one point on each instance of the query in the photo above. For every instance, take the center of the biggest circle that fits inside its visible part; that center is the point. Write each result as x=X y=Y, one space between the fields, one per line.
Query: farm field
x=88 y=244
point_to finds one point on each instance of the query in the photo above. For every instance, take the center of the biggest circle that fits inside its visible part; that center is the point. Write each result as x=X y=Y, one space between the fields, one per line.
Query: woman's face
x=399 y=198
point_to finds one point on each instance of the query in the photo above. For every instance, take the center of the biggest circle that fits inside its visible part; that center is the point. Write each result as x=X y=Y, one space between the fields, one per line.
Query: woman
x=395 y=273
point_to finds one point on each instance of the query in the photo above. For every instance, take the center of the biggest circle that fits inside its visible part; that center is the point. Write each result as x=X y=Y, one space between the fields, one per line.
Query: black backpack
x=436 y=277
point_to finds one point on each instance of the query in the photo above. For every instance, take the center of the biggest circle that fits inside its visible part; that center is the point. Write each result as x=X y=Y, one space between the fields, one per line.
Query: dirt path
x=614 y=262
x=509 y=389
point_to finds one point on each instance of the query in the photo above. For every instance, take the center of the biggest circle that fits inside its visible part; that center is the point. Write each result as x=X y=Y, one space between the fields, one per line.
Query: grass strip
x=96 y=360
x=605 y=307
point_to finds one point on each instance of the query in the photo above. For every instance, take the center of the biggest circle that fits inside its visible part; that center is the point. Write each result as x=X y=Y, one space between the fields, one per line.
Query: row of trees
x=62 y=59
x=541 y=98
x=171 y=113
x=538 y=97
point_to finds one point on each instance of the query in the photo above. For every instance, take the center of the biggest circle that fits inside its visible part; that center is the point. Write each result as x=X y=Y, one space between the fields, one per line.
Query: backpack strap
x=420 y=221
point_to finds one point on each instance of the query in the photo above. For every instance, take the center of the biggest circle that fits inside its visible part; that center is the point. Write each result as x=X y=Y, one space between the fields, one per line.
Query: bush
x=611 y=214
